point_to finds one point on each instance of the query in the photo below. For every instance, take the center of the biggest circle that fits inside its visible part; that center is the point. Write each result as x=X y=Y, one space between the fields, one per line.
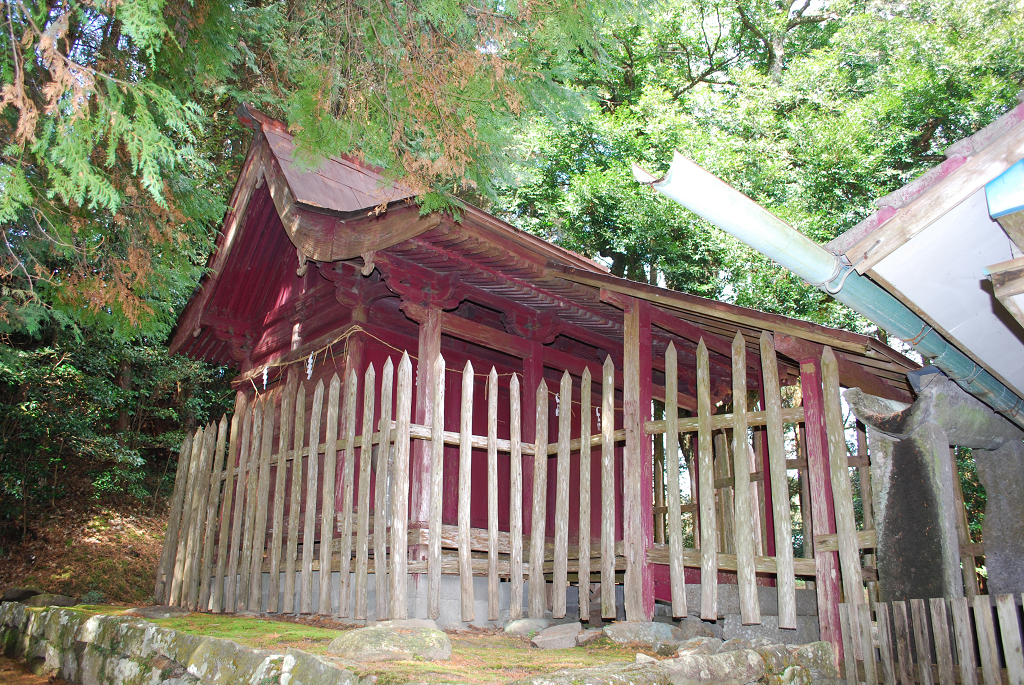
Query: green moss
x=254 y=632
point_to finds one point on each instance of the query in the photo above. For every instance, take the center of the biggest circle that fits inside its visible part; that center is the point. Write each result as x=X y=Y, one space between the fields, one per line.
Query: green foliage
x=974 y=491
x=66 y=409
x=814 y=113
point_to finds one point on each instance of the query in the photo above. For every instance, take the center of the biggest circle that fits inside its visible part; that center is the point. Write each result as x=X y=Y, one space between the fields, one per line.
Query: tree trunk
x=124 y=382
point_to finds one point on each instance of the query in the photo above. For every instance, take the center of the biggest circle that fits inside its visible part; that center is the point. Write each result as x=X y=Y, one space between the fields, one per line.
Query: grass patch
x=254 y=632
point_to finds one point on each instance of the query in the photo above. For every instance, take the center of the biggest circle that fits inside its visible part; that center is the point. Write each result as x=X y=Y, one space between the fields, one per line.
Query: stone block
x=806 y=630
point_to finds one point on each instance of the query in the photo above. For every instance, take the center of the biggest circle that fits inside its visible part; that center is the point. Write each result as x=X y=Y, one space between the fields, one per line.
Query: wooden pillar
x=420 y=465
x=533 y=374
x=638 y=462
x=822 y=510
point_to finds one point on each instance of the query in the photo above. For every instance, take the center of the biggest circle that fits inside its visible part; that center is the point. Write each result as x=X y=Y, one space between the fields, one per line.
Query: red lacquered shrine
x=468 y=349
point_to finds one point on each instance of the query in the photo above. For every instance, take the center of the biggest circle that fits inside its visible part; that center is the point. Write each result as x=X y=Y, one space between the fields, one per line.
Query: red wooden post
x=533 y=374
x=638 y=462
x=822 y=510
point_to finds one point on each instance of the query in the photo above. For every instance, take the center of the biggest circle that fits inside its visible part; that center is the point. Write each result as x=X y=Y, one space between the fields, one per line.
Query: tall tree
x=812 y=109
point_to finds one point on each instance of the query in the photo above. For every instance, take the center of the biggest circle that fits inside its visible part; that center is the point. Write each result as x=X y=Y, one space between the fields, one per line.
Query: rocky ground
x=526 y=652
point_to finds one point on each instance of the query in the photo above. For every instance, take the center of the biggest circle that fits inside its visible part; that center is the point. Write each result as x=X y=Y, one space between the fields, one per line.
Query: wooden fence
x=228 y=526
x=934 y=642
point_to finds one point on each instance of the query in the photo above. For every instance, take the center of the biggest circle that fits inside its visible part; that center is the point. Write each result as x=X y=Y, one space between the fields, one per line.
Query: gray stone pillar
x=912 y=483
x=1002 y=473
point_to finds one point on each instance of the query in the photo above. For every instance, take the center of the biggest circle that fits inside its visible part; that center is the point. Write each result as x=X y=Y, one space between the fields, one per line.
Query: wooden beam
x=938 y=200
x=851 y=374
x=721 y=311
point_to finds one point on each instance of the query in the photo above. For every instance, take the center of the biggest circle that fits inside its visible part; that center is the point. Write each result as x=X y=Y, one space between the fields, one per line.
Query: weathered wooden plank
x=636 y=407
x=363 y=508
x=231 y=581
x=1009 y=629
x=492 y=496
x=170 y=546
x=885 y=642
x=197 y=522
x=943 y=646
x=292 y=571
x=842 y=492
x=174 y=598
x=348 y=484
x=309 y=522
x=465 y=475
x=220 y=581
x=750 y=609
x=323 y=606
x=380 y=509
x=723 y=421
x=559 y=578
x=284 y=442
x=252 y=482
x=922 y=641
x=901 y=630
x=515 y=497
x=584 y=532
x=863 y=614
x=259 y=533
x=400 y=493
x=849 y=661
x=212 y=514
x=436 y=490
x=706 y=480
x=780 y=487
x=659 y=554
x=987 y=646
x=958 y=606
x=538 y=591
x=675 y=516
x=607 y=419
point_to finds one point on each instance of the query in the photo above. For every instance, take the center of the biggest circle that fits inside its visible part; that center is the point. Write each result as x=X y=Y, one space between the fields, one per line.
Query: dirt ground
x=15 y=673
x=105 y=551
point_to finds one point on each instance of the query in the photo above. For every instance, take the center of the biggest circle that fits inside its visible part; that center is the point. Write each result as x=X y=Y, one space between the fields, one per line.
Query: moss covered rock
x=387 y=643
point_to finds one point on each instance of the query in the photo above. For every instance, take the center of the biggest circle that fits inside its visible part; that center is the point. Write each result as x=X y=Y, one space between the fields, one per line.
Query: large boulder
x=19 y=594
x=725 y=668
x=561 y=636
x=651 y=633
x=384 y=642
x=48 y=600
x=699 y=645
x=525 y=627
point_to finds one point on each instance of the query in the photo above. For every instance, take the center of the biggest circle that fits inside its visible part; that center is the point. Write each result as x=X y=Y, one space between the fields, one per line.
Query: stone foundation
x=120 y=650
